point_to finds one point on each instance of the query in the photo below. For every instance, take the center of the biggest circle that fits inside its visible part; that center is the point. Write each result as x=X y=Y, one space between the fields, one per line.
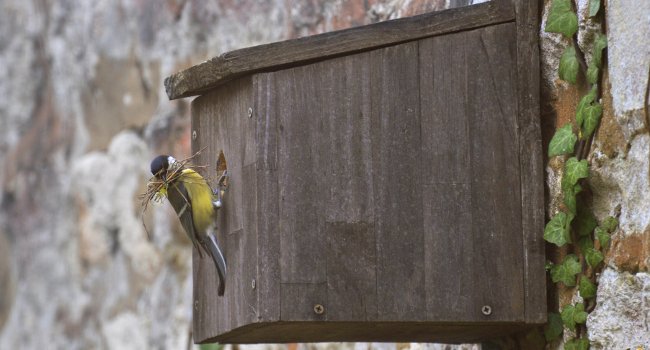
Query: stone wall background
x=84 y=110
x=620 y=163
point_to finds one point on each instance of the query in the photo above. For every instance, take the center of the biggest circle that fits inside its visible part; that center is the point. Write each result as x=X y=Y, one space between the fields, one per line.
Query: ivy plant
x=574 y=226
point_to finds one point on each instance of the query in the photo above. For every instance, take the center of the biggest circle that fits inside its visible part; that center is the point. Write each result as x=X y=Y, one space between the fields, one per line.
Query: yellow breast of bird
x=200 y=198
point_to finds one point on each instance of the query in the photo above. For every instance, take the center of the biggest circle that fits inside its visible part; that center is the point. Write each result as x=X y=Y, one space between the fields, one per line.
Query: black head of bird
x=161 y=165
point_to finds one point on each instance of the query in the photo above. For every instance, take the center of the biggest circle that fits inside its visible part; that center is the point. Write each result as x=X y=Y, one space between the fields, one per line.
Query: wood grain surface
x=395 y=186
x=231 y=65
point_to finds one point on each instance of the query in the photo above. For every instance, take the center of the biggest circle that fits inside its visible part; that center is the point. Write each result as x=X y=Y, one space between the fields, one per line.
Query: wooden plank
x=299 y=301
x=289 y=332
x=397 y=183
x=220 y=121
x=218 y=70
x=325 y=168
x=496 y=222
x=531 y=158
x=351 y=272
x=347 y=197
x=470 y=158
x=247 y=260
x=346 y=138
x=268 y=238
x=449 y=261
x=449 y=246
x=300 y=162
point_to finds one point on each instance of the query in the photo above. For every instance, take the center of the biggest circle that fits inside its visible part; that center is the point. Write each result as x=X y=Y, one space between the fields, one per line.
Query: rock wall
x=620 y=160
x=83 y=111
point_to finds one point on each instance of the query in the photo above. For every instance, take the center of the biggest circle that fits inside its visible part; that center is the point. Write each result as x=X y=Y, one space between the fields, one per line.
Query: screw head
x=196 y=305
x=253 y=283
x=250 y=112
x=319 y=309
x=486 y=310
x=194 y=135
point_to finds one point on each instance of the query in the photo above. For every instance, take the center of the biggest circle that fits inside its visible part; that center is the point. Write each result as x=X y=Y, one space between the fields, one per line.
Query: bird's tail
x=219 y=262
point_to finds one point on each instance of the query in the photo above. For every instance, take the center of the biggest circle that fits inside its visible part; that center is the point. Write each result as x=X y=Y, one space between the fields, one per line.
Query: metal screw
x=196 y=305
x=486 y=310
x=194 y=135
x=319 y=309
x=250 y=112
x=253 y=283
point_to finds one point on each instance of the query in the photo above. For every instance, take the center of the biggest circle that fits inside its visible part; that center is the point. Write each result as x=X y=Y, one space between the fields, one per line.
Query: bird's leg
x=220 y=190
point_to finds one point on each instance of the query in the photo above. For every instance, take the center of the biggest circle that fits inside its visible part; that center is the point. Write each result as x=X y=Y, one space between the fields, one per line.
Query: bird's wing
x=180 y=201
x=200 y=195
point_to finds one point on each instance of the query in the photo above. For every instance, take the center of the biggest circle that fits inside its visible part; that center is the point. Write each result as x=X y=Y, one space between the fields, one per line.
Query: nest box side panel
x=473 y=233
x=221 y=123
x=531 y=158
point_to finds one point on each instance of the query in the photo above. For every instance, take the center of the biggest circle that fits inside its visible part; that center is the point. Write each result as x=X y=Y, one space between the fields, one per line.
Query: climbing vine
x=575 y=226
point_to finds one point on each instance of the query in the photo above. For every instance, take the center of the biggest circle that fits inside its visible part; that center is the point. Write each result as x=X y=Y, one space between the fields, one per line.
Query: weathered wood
x=300 y=162
x=324 y=167
x=289 y=332
x=531 y=158
x=347 y=199
x=386 y=186
x=471 y=159
x=221 y=124
x=221 y=69
x=268 y=237
x=448 y=241
x=351 y=272
x=496 y=212
x=395 y=132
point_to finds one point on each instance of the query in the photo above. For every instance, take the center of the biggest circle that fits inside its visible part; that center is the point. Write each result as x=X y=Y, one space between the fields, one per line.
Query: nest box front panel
x=396 y=173
x=374 y=189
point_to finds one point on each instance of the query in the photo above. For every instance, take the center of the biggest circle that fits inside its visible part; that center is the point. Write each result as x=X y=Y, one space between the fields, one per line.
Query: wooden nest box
x=385 y=181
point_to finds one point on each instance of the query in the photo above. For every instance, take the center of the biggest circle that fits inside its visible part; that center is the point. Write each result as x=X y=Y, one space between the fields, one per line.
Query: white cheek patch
x=171 y=161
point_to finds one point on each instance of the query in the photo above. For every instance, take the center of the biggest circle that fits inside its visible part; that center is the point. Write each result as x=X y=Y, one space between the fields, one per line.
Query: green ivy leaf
x=574 y=170
x=569 y=65
x=566 y=271
x=554 y=327
x=570 y=198
x=587 y=289
x=592 y=118
x=562 y=19
x=610 y=224
x=600 y=43
x=585 y=243
x=562 y=142
x=593 y=257
x=577 y=344
x=556 y=230
x=580 y=315
x=585 y=101
x=548 y=265
x=594 y=6
x=573 y=314
x=592 y=74
x=567 y=317
x=602 y=236
x=585 y=221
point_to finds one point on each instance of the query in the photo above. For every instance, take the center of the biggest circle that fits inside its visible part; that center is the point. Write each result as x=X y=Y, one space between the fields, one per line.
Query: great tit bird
x=195 y=204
